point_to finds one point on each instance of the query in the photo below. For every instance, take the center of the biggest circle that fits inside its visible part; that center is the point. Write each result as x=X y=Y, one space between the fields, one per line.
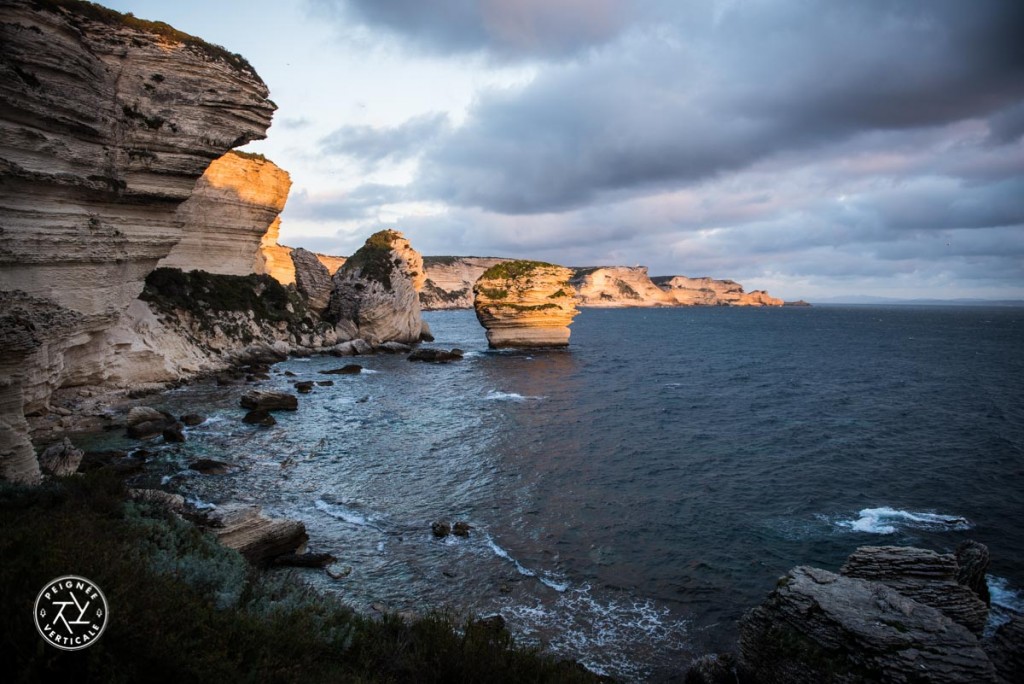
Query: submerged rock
x=304 y=386
x=269 y=400
x=525 y=304
x=436 y=355
x=349 y=369
x=209 y=466
x=260 y=417
x=148 y=428
x=192 y=419
x=174 y=433
x=461 y=529
x=440 y=529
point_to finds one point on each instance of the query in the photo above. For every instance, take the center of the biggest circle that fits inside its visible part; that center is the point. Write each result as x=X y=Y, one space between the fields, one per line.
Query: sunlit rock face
x=525 y=304
x=375 y=293
x=231 y=209
x=449 y=280
x=618 y=286
x=711 y=292
x=107 y=123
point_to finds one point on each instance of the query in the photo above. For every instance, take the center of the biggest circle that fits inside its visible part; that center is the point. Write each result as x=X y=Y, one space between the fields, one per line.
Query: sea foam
x=886 y=520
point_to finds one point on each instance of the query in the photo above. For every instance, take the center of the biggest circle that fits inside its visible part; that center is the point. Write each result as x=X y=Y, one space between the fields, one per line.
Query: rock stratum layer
x=893 y=614
x=107 y=123
x=231 y=209
x=450 y=280
x=375 y=293
x=525 y=304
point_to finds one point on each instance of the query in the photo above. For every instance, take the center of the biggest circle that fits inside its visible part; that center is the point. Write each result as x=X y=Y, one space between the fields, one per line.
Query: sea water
x=632 y=496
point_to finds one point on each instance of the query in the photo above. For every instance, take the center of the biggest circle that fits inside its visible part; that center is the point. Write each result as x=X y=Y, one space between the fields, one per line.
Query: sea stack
x=525 y=304
x=375 y=293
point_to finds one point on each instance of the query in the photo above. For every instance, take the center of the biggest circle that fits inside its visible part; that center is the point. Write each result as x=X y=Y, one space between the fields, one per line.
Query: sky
x=812 y=148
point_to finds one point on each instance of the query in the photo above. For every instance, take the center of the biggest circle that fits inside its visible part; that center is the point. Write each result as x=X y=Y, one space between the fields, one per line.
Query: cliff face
x=618 y=286
x=231 y=209
x=449 y=280
x=106 y=125
x=375 y=293
x=711 y=292
x=525 y=304
x=273 y=259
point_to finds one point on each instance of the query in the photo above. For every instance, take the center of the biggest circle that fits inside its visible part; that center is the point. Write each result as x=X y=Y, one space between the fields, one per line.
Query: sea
x=630 y=497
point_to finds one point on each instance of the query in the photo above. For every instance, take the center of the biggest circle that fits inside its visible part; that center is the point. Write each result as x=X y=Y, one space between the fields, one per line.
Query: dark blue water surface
x=631 y=497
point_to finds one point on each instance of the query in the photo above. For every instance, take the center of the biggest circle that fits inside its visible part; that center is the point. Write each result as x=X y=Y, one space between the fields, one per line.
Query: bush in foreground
x=183 y=608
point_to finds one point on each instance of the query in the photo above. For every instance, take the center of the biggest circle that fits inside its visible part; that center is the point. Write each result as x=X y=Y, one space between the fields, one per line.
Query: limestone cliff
x=231 y=209
x=274 y=259
x=375 y=293
x=525 y=304
x=618 y=286
x=107 y=123
x=449 y=280
x=710 y=292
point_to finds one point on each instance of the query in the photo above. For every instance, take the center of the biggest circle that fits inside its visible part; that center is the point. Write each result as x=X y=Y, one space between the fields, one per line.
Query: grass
x=373 y=259
x=510 y=270
x=184 y=609
x=94 y=12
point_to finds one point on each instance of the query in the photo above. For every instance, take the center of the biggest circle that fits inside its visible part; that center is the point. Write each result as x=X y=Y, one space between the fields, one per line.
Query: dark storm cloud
x=504 y=29
x=660 y=109
x=373 y=145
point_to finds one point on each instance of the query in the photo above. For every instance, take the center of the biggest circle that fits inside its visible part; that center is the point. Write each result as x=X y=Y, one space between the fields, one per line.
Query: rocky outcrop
x=710 y=292
x=312 y=279
x=925 y=576
x=228 y=214
x=256 y=536
x=107 y=123
x=375 y=293
x=893 y=614
x=449 y=280
x=275 y=260
x=618 y=286
x=525 y=304
x=331 y=263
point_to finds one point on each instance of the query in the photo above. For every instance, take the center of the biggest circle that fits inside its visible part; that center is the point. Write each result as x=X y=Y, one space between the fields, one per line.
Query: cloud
x=678 y=105
x=358 y=203
x=294 y=123
x=373 y=145
x=504 y=29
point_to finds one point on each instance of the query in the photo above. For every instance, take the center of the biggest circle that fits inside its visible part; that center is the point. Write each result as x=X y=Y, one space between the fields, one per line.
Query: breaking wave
x=886 y=520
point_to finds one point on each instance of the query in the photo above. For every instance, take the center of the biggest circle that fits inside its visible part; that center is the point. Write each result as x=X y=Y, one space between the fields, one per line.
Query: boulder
x=436 y=355
x=440 y=529
x=269 y=400
x=259 y=417
x=60 y=459
x=143 y=414
x=174 y=433
x=525 y=304
x=148 y=428
x=817 y=626
x=393 y=347
x=192 y=419
x=461 y=529
x=923 y=575
x=972 y=563
x=209 y=466
x=259 y=538
x=304 y=386
x=325 y=383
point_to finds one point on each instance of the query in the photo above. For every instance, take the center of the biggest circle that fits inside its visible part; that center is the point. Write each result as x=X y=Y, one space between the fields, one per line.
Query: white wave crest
x=886 y=520
x=495 y=395
x=1006 y=603
x=342 y=513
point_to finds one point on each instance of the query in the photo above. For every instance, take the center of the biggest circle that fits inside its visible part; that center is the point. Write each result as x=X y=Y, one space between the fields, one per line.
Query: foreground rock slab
x=256 y=536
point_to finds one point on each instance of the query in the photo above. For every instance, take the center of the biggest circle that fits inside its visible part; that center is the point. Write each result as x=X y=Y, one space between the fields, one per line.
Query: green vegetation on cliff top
x=510 y=270
x=91 y=10
x=184 y=609
x=373 y=259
